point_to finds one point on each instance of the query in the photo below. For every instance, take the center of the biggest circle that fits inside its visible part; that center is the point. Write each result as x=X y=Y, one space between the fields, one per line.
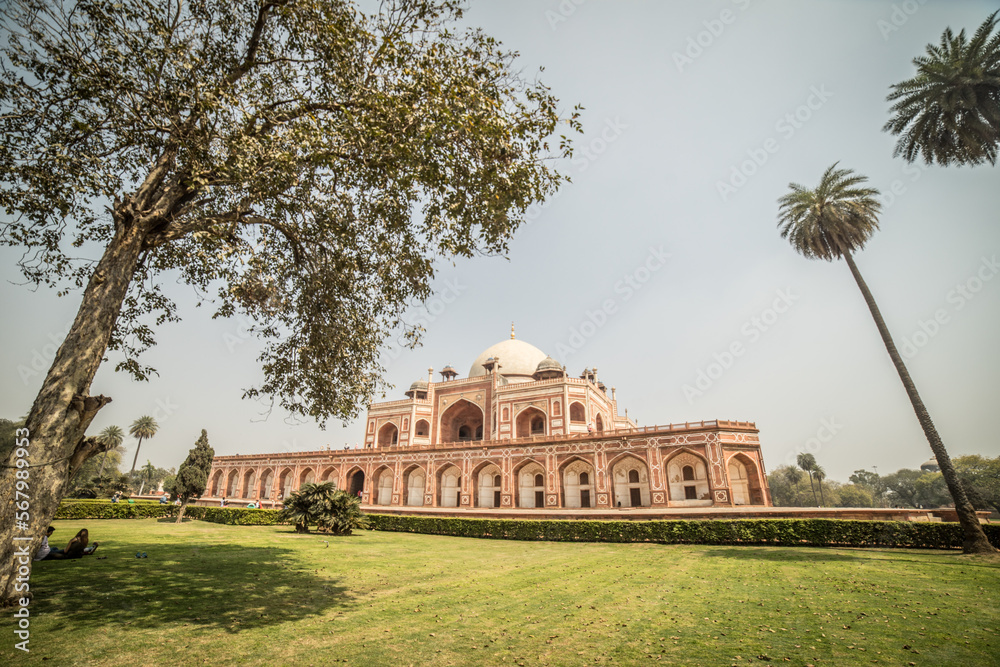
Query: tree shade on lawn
x=835 y=220
x=302 y=163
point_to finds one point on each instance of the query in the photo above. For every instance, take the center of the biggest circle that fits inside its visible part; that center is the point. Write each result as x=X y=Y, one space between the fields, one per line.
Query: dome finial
x=512 y=330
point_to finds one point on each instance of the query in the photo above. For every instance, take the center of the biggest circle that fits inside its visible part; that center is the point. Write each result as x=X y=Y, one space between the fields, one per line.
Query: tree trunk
x=57 y=420
x=813 y=489
x=136 y=457
x=184 y=506
x=974 y=539
x=822 y=498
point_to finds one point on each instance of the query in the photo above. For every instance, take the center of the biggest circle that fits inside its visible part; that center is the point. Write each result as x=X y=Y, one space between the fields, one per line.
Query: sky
x=660 y=263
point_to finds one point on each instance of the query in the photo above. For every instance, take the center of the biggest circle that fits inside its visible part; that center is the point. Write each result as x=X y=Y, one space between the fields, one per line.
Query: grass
x=262 y=595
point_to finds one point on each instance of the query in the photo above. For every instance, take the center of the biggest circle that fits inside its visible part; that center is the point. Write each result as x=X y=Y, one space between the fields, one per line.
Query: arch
x=578 y=483
x=326 y=475
x=356 y=482
x=249 y=477
x=449 y=486
x=746 y=488
x=414 y=481
x=462 y=421
x=530 y=480
x=530 y=421
x=285 y=484
x=506 y=414
x=556 y=408
x=382 y=482
x=406 y=424
x=577 y=413
x=265 y=484
x=388 y=435
x=307 y=476
x=599 y=423
x=216 y=486
x=687 y=478
x=231 y=482
x=484 y=485
x=422 y=428
x=631 y=479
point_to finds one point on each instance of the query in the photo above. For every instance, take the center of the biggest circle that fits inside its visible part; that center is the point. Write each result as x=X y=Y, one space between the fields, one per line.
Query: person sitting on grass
x=79 y=546
x=45 y=552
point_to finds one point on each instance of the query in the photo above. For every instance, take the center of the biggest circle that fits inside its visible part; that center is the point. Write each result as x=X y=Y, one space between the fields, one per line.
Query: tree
x=142 y=428
x=192 y=476
x=303 y=160
x=787 y=489
x=950 y=111
x=808 y=463
x=870 y=482
x=835 y=220
x=332 y=510
x=820 y=474
x=110 y=439
x=852 y=495
x=981 y=476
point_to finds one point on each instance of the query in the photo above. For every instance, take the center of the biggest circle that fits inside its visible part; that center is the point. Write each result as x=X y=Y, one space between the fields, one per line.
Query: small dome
x=419 y=385
x=448 y=368
x=930 y=464
x=548 y=364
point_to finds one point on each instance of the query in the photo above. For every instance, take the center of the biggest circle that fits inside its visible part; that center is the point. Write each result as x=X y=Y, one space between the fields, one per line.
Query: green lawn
x=217 y=595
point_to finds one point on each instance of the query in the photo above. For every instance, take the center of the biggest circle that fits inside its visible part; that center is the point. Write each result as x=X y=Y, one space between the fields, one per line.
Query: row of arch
x=573 y=487
x=463 y=422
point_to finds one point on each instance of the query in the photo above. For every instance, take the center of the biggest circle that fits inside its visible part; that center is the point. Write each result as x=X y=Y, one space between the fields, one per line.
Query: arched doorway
x=577 y=413
x=531 y=486
x=415 y=480
x=266 y=482
x=216 y=484
x=462 y=422
x=599 y=423
x=687 y=480
x=307 y=476
x=489 y=483
x=450 y=487
x=231 y=484
x=285 y=484
x=578 y=484
x=745 y=481
x=388 y=435
x=529 y=422
x=356 y=482
x=383 y=487
x=631 y=483
x=248 y=479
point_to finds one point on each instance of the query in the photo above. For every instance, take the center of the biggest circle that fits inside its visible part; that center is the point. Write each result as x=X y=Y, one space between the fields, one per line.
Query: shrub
x=776 y=532
x=105 y=510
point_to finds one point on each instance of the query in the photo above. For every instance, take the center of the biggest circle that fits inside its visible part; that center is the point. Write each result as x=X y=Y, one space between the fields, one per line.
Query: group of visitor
x=78 y=547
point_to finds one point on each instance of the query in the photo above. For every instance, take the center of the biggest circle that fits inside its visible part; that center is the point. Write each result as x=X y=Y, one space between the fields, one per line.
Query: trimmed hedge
x=107 y=510
x=235 y=516
x=773 y=532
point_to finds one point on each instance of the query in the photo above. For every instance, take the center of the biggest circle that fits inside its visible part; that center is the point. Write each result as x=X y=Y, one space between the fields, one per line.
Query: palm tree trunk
x=103 y=461
x=974 y=539
x=821 y=496
x=812 y=488
x=136 y=457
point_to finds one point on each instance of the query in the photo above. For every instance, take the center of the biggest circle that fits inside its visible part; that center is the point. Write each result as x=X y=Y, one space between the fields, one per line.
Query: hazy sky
x=662 y=255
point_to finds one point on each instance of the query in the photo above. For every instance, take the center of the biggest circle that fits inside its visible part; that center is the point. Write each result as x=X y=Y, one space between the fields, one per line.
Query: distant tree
x=852 y=495
x=931 y=491
x=192 y=476
x=982 y=476
x=834 y=221
x=902 y=488
x=111 y=439
x=331 y=509
x=808 y=463
x=142 y=428
x=950 y=111
x=870 y=482
x=787 y=489
x=820 y=474
x=306 y=162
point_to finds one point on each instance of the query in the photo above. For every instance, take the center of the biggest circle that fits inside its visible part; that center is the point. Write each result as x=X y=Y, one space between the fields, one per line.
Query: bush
x=235 y=516
x=89 y=509
x=775 y=532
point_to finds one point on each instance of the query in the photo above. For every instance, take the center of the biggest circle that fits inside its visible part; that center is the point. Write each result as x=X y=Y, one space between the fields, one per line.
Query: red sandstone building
x=518 y=432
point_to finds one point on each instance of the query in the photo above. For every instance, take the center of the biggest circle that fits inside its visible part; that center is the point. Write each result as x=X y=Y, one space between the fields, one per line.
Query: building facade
x=518 y=432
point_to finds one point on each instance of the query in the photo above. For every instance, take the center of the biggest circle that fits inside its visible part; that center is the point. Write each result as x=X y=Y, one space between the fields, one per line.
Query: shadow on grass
x=787 y=554
x=212 y=586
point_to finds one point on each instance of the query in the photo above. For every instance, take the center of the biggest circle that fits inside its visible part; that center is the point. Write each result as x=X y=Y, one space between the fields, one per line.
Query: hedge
x=775 y=532
x=77 y=509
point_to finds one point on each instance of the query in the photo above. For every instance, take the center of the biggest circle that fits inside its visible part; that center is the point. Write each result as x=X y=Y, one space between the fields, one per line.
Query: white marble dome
x=518 y=360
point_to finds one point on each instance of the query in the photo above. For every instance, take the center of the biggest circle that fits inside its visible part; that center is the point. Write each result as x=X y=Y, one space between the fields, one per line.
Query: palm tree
x=808 y=463
x=833 y=221
x=820 y=475
x=142 y=428
x=110 y=438
x=950 y=111
x=146 y=474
